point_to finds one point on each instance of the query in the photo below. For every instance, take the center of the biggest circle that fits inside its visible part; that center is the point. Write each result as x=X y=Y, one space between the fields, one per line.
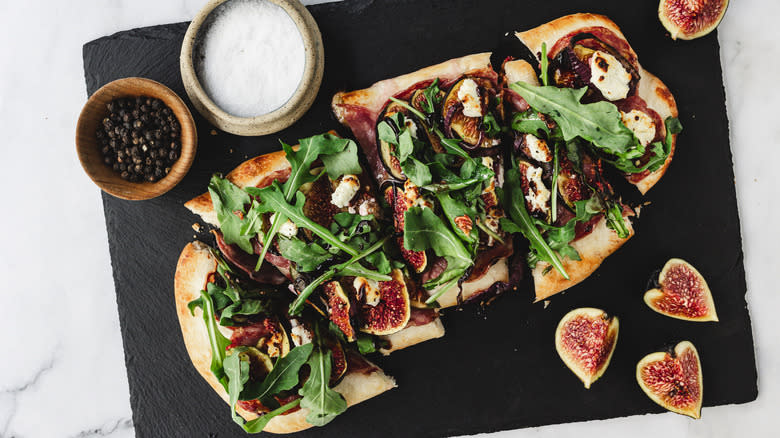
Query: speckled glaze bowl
x=278 y=119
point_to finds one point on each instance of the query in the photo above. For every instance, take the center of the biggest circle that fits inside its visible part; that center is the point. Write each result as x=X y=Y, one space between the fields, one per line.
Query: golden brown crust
x=195 y=265
x=375 y=97
x=552 y=31
x=413 y=335
x=520 y=71
x=251 y=173
x=657 y=96
x=593 y=249
x=499 y=272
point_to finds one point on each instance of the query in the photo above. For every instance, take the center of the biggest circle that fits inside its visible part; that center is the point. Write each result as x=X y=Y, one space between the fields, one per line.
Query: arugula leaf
x=307 y=256
x=297 y=305
x=380 y=261
x=357 y=270
x=272 y=200
x=661 y=151
x=342 y=163
x=598 y=123
x=521 y=222
x=237 y=371
x=242 y=307
x=432 y=97
x=559 y=237
x=310 y=149
x=529 y=122
x=258 y=424
x=416 y=171
x=283 y=376
x=405 y=143
x=453 y=147
x=411 y=109
x=385 y=130
x=365 y=343
x=423 y=229
x=554 y=183
x=229 y=203
x=453 y=209
x=544 y=65
x=615 y=220
x=323 y=403
x=492 y=128
x=217 y=342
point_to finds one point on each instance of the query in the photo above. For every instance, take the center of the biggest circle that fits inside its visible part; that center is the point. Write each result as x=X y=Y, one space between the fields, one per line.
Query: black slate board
x=497 y=367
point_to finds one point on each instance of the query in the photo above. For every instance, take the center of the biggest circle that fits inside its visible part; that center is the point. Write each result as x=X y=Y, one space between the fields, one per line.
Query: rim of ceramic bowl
x=109 y=181
x=278 y=119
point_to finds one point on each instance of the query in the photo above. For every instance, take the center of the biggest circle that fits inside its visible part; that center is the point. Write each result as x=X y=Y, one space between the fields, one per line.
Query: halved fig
x=259 y=363
x=673 y=379
x=277 y=344
x=339 y=308
x=585 y=340
x=391 y=311
x=683 y=293
x=570 y=185
x=387 y=150
x=339 y=357
x=689 y=19
x=397 y=198
x=463 y=112
x=267 y=335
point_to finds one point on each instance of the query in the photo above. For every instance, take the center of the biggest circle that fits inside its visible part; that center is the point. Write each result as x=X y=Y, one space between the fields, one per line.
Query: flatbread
x=593 y=248
x=195 y=265
x=263 y=170
x=657 y=95
x=375 y=97
x=412 y=335
x=373 y=100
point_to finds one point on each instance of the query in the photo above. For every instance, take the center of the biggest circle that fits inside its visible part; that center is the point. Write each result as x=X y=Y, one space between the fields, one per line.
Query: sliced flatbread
x=195 y=265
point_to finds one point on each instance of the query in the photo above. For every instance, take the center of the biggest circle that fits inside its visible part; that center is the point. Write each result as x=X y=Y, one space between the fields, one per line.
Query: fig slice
x=585 y=340
x=390 y=311
x=683 y=293
x=689 y=19
x=673 y=380
x=400 y=201
x=339 y=308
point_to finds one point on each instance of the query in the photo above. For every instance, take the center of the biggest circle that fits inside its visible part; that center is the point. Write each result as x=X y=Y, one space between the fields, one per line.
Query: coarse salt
x=251 y=57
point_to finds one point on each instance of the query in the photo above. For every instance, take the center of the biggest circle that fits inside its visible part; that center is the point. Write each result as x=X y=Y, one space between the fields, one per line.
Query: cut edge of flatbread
x=192 y=271
x=593 y=248
x=651 y=89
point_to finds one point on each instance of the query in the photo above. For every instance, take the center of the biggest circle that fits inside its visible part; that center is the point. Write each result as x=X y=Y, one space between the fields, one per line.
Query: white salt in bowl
x=275 y=120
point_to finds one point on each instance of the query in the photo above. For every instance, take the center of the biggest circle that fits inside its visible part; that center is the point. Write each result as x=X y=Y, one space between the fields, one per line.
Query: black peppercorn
x=139 y=138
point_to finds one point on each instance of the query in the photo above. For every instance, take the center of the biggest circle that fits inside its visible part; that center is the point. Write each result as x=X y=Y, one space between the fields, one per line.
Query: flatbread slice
x=593 y=248
x=261 y=171
x=359 y=110
x=652 y=90
x=195 y=265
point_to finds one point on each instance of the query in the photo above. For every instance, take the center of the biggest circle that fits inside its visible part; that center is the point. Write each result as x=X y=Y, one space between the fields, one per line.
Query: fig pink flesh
x=588 y=342
x=676 y=381
x=692 y=16
x=683 y=293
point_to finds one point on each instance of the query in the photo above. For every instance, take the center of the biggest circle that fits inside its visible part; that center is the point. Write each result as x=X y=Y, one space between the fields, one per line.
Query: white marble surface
x=62 y=370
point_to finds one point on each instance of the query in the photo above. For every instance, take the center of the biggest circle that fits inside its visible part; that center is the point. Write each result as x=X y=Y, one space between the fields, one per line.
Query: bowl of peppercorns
x=136 y=138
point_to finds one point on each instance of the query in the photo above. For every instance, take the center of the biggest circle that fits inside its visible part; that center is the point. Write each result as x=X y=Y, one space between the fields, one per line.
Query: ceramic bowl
x=273 y=121
x=91 y=158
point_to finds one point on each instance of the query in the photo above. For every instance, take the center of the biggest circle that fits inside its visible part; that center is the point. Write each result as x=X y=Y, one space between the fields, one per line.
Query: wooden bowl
x=91 y=158
x=276 y=120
